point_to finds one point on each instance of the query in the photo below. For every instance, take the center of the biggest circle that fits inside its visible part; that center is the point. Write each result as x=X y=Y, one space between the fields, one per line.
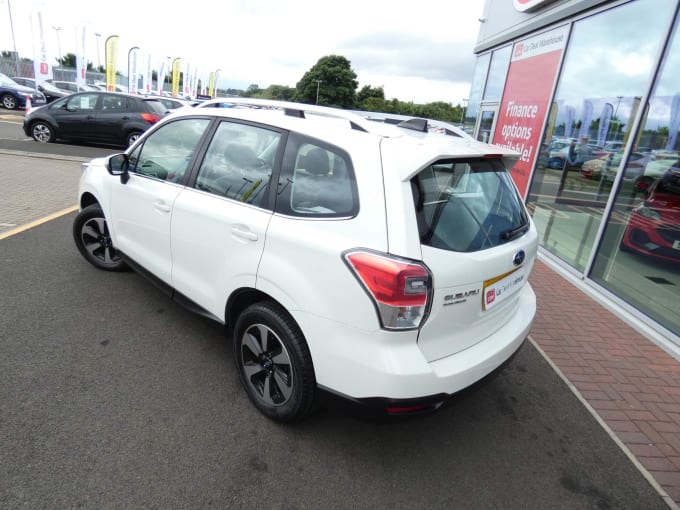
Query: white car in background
x=384 y=264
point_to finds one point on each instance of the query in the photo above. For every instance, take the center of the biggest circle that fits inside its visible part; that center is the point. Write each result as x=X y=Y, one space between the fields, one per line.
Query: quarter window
x=167 y=152
x=238 y=163
x=318 y=181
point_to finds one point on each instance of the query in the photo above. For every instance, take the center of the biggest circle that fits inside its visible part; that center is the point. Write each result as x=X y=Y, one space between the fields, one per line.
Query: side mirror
x=119 y=164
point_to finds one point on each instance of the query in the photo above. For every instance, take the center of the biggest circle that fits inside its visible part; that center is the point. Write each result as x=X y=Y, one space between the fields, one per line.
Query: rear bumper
x=383 y=367
x=380 y=407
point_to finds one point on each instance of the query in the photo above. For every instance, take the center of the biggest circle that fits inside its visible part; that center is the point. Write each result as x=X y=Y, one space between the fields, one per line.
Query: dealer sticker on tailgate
x=497 y=290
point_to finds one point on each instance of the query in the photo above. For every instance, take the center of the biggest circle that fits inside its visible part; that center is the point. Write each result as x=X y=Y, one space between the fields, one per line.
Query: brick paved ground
x=35 y=187
x=632 y=384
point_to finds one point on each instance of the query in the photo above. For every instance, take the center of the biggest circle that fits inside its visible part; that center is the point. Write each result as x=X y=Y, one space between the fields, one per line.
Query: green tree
x=331 y=80
x=68 y=60
x=253 y=90
x=277 y=92
x=369 y=97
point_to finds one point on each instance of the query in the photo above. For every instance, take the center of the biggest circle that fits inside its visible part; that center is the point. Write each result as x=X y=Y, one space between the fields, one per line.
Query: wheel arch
x=52 y=126
x=241 y=299
x=87 y=199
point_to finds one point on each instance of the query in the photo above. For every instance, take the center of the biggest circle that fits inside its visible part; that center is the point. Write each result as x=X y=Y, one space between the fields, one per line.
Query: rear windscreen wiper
x=515 y=232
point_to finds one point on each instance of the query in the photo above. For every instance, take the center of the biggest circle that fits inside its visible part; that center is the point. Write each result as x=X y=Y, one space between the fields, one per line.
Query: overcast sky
x=417 y=51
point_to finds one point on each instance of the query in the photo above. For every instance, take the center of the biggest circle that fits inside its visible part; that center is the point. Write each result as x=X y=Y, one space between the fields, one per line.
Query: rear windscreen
x=467 y=205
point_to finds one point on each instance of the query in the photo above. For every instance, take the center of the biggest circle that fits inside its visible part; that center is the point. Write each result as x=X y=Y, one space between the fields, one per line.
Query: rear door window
x=467 y=205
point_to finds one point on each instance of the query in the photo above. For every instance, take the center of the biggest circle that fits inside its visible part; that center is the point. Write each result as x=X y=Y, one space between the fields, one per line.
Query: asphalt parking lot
x=113 y=397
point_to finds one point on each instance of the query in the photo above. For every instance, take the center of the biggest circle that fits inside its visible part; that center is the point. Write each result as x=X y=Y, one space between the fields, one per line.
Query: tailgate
x=474 y=294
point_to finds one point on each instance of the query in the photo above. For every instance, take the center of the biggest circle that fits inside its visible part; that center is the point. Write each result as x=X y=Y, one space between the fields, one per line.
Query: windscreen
x=467 y=205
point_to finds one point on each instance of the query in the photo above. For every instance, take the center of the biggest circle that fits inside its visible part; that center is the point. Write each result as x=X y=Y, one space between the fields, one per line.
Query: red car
x=654 y=226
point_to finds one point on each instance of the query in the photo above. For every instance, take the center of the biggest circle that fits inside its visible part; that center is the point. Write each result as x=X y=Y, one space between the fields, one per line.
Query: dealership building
x=588 y=92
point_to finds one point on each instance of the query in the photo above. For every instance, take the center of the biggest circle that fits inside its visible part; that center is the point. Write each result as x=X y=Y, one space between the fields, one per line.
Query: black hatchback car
x=96 y=117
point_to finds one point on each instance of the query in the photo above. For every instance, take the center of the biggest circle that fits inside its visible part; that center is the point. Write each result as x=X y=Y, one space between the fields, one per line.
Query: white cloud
x=417 y=52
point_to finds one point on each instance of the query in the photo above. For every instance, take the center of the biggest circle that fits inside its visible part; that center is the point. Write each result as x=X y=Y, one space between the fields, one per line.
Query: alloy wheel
x=267 y=365
x=9 y=102
x=42 y=133
x=96 y=240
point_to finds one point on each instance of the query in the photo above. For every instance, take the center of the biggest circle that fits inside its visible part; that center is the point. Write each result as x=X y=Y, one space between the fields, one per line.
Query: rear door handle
x=161 y=206
x=244 y=233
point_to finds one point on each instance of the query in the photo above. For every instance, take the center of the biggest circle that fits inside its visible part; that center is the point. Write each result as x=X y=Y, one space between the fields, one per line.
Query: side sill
x=169 y=291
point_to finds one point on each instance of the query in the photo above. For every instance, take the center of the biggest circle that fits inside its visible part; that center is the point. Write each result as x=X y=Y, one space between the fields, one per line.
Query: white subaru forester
x=385 y=263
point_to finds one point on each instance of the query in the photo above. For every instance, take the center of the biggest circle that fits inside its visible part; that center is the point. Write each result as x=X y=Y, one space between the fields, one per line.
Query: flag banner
x=81 y=61
x=586 y=119
x=186 y=81
x=133 y=74
x=111 y=57
x=147 y=76
x=194 y=84
x=605 y=120
x=570 y=112
x=633 y=114
x=161 y=77
x=211 y=85
x=674 y=125
x=41 y=65
x=176 y=71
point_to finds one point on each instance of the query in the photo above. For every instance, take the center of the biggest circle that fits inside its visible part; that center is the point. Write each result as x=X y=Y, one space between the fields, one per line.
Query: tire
x=132 y=137
x=42 y=132
x=274 y=363
x=9 y=101
x=555 y=163
x=91 y=235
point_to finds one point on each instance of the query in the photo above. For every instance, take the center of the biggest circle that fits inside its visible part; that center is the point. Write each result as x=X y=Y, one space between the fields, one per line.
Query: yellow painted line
x=27 y=226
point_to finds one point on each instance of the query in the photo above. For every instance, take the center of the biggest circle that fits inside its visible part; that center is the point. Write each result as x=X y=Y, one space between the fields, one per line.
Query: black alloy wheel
x=274 y=362
x=92 y=237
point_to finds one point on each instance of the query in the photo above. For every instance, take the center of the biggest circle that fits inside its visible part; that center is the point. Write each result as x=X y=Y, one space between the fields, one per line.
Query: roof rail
x=298 y=110
x=415 y=123
x=369 y=122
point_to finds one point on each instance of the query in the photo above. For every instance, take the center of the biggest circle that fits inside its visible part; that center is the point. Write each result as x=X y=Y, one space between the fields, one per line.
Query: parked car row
x=96 y=117
x=50 y=90
x=14 y=96
x=85 y=113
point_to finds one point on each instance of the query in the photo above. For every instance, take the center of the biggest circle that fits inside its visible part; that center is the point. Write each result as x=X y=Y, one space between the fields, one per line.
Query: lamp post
x=130 y=88
x=58 y=29
x=462 y=112
x=318 y=84
x=99 y=62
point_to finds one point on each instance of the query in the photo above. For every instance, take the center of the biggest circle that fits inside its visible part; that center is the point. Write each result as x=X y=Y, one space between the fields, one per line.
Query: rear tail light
x=400 y=289
x=151 y=118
